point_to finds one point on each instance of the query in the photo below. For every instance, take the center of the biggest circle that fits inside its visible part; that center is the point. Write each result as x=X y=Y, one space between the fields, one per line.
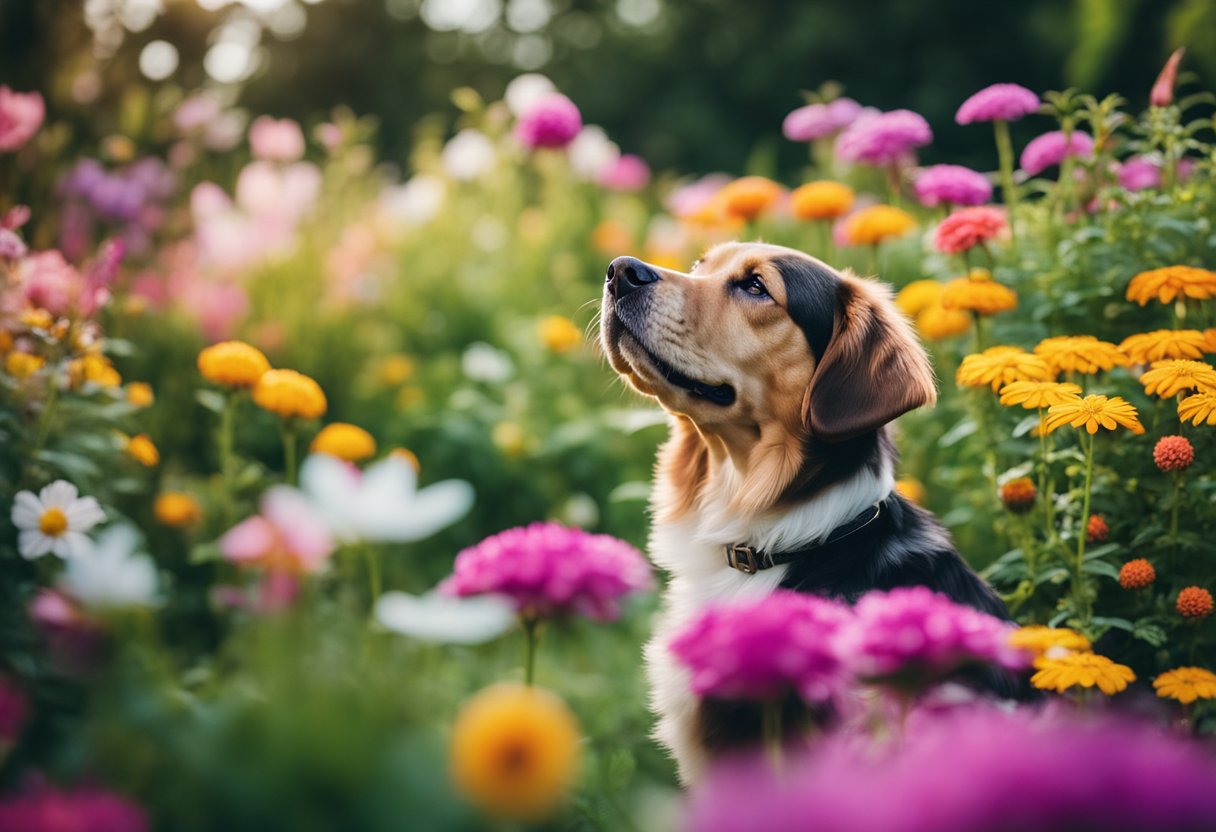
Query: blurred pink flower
x=999 y=102
x=16 y=217
x=14 y=708
x=328 y=135
x=287 y=535
x=21 y=114
x=551 y=121
x=1162 y=94
x=763 y=647
x=815 y=121
x=196 y=112
x=628 y=173
x=548 y=569
x=75 y=640
x=275 y=591
x=49 y=281
x=883 y=138
x=42 y=807
x=12 y=247
x=952 y=185
x=1050 y=149
x=687 y=200
x=1140 y=174
x=99 y=277
x=276 y=140
x=968 y=227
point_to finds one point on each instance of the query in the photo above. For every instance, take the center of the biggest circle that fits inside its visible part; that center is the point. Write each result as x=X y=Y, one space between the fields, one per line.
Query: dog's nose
x=626 y=274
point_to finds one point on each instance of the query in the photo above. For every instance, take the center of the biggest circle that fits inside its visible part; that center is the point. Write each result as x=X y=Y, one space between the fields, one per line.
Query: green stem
x=770 y=728
x=373 y=571
x=48 y=411
x=1174 y=523
x=289 y=452
x=227 y=418
x=1082 y=532
x=1009 y=191
x=531 y=637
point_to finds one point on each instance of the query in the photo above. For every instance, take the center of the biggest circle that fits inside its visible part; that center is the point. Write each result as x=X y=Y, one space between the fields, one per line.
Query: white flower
x=435 y=617
x=526 y=90
x=415 y=203
x=382 y=503
x=591 y=152
x=482 y=362
x=113 y=575
x=468 y=155
x=55 y=521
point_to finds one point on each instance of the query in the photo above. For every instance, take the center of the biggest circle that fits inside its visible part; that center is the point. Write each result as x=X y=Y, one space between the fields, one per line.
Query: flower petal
x=27 y=510
x=441 y=618
x=84 y=514
x=431 y=509
x=58 y=494
x=32 y=544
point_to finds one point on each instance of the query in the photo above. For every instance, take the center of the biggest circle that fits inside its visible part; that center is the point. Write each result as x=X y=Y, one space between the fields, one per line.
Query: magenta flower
x=551 y=121
x=21 y=115
x=547 y=569
x=999 y=102
x=627 y=173
x=883 y=138
x=287 y=536
x=14 y=708
x=276 y=140
x=1140 y=174
x=815 y=121
x=915 y=633
x=952 y=185
x=969 y=227
x=763 y=647
x=1050 y=149
x=42 y=807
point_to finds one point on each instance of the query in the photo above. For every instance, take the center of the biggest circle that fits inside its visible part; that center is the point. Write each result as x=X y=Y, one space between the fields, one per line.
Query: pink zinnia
x=915 y=632
x=968 y=227
x=276 y=140
x=45 y=808
x=953 y=185
x=21 y=115
x=1140 y=174
x=883 y=138
x=552 y=121
x=628 y=173
x=287 y=536
x=761 y=648
x=548 y=569
x=999 y=102
x=1050 y=149
x=814 y=121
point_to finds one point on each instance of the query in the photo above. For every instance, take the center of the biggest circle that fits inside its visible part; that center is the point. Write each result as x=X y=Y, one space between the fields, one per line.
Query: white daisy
x=114 y=576
x=55 y=521
x=438 y=618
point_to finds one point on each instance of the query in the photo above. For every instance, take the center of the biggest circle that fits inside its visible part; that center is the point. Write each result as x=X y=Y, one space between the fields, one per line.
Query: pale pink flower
x=49 y=281
x=21 y=114
x=999 y=102
x=628 y=173
x=196 y=113
x=1051 y=149
x=815 y=121
x=276 y=140
x=288 y=535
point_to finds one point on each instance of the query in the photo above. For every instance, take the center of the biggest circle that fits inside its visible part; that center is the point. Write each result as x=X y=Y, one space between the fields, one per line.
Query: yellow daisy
x=1198 y=408
x=1170 y=283
x=938 y=322
x=1186 y=684
x=918 y=296
x=1080 y=354
x=1162 y=344
x=998 y=366
x=1034 y=395
x=978 y=292
x=1084 y=670
x=870 y=226
x=1091 y=413
x=1168 y=378
x=1048 y=641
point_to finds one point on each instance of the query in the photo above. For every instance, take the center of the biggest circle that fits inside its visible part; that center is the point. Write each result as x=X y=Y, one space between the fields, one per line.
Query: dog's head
x=765 y=348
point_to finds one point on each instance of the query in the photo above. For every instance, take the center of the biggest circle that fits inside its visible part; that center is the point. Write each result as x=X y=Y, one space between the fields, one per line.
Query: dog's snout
x=625 y=274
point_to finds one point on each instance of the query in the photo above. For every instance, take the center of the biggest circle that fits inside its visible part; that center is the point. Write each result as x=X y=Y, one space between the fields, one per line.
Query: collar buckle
x=742 y=557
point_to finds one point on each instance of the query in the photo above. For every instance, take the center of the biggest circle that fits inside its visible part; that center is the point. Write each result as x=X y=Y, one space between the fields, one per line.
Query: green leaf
x=1100 y=567
x=210 y=399
x=1154 y=634
x=1111 y=622
x=959 y=432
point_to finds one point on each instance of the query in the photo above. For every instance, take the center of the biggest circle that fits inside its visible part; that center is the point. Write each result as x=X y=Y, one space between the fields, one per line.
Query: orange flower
x=938 y=322
x=918 y=296
x=821 y=200
x=344 y=441
x=978 y=292
x=612 y=237
x=232 y=364
x=1186 y=684
x=141 y=449
x=1034 y=395
x=1136 y=574
x=1194 y=602
x=911 y=489
x=1173 y=453
x=749 y=197
x=871 y=226
x=1080 y=354
x=176 y=509
x=289 y=394
x=1096 y=529
x=1199 y=408
x=1162 y=344
x=1168 y=378
x=1093 y=412
x=1085 y=670
x=1170 y=283
x=1019 y=494
x=998 y=366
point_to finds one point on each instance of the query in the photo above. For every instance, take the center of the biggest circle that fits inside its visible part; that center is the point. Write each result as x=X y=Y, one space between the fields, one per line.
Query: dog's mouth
x=719 y=394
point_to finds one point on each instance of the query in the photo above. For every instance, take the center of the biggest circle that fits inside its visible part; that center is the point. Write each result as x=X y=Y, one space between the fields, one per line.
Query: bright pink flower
x=763 y=647
x=286 y=536
x=1140 y=174
x=548 y=569
x=49 y=281
x=884 y=138
x=968 y=227
x=46 y=808
x=1162 y=94
x=953 y=185
x=552 y=121
x=815 y=121
x=628 y=173
x=1050 y=149
x=21 y=115
x=276 y=140
x=999 y=102
x=14 y=708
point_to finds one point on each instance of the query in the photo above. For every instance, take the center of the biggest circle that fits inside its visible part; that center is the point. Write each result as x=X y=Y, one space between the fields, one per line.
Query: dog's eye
x=754 y=286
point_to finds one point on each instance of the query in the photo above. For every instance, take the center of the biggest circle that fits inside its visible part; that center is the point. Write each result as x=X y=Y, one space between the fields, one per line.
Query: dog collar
x=749 y=560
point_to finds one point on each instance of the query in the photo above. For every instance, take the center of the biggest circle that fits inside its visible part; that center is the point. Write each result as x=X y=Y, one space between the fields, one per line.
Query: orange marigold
x=1162 y=344
x=871 y=226
x=1169 y=378
x=937 y=322
x=1035 y=395
x=748 y=197
x=1093 y=412
x=1186 y=684
x=1018 y=495
x=918 y=296
x=1080 y=354
x=1194 y=602
x=998 y=366
x=1097 y=529
x=1171 y=282
x=1136 y=574
x=1173 y=453
x=978 y=292
x=822 y=200
x=1199 y=408
x=232 y=364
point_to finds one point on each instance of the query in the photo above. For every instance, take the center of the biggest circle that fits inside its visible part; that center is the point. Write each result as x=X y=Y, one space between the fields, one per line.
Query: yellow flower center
x=53 y=522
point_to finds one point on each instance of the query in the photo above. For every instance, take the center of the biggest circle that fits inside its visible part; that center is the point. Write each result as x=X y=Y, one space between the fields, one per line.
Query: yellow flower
x=510 y=438
x=409 y=456
x=139 y=393
x=748 y=197
x=937 y=322
x=1163 y=344
x=918 y=296
x=289 y=394
x=612 y=237
x=1091 y=413
x=998 y=366
x=232 y=364
x=37 y=319
x=349 y=442
x=1199 y=408
x=1186 y=684
x=911 y=489
x=1080 y=354
x=395 y=370
x=666 y=260
x=1048 y=642
x=1034 y=395
x=978 y=292
x=1168 y=378
x=1082 y=669
x=515 y=751
x=93 y=368
x=559 y=334
x=821 y=200
x=870 y=226
x=22 y=364
x=141 y=449
x=176 y=509
x=1170 y=283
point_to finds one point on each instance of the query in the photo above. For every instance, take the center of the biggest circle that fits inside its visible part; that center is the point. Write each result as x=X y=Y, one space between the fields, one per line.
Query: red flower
x=1173 y=453
x=967 y=228
x=1137 y=574
x=1194 y=602
x=1018 y=495
x=1096 y=530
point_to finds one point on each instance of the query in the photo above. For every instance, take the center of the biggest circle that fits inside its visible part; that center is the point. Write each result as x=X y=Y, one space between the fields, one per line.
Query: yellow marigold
x=666 y=260
x=1162 y=344
x=870 y=226
x=139 y=393
x=559 y=334
x=1034 y=395
x=1080 y=354
x=918 y=296
x=612 y=237
x=176 y=509
x=1199 y=408
x=232 y=364
x=978 y=292
x=822 y=200
x=911 y=489
x=141 y=449
x=515 y=751
x=1048 y=642
x=394 y=370
x=748 y=197
x=998 y=366
x=409 y=456
x=345 y=441
x=938 y=322
x=1170 y=283
x=36 y=319
x=1091 y=413
x=93 y=368
x=1082 y=670
x=1186 y=684
x=1169 y=378
x=289 y=394
x=22 y=364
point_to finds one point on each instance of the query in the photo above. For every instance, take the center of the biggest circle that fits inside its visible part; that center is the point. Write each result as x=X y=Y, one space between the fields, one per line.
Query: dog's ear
x=873 y=370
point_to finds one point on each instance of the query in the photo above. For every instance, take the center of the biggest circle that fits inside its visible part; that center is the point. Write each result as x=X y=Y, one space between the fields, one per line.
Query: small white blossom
x=438 y=618
x=55 y=521
x=113 y=576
